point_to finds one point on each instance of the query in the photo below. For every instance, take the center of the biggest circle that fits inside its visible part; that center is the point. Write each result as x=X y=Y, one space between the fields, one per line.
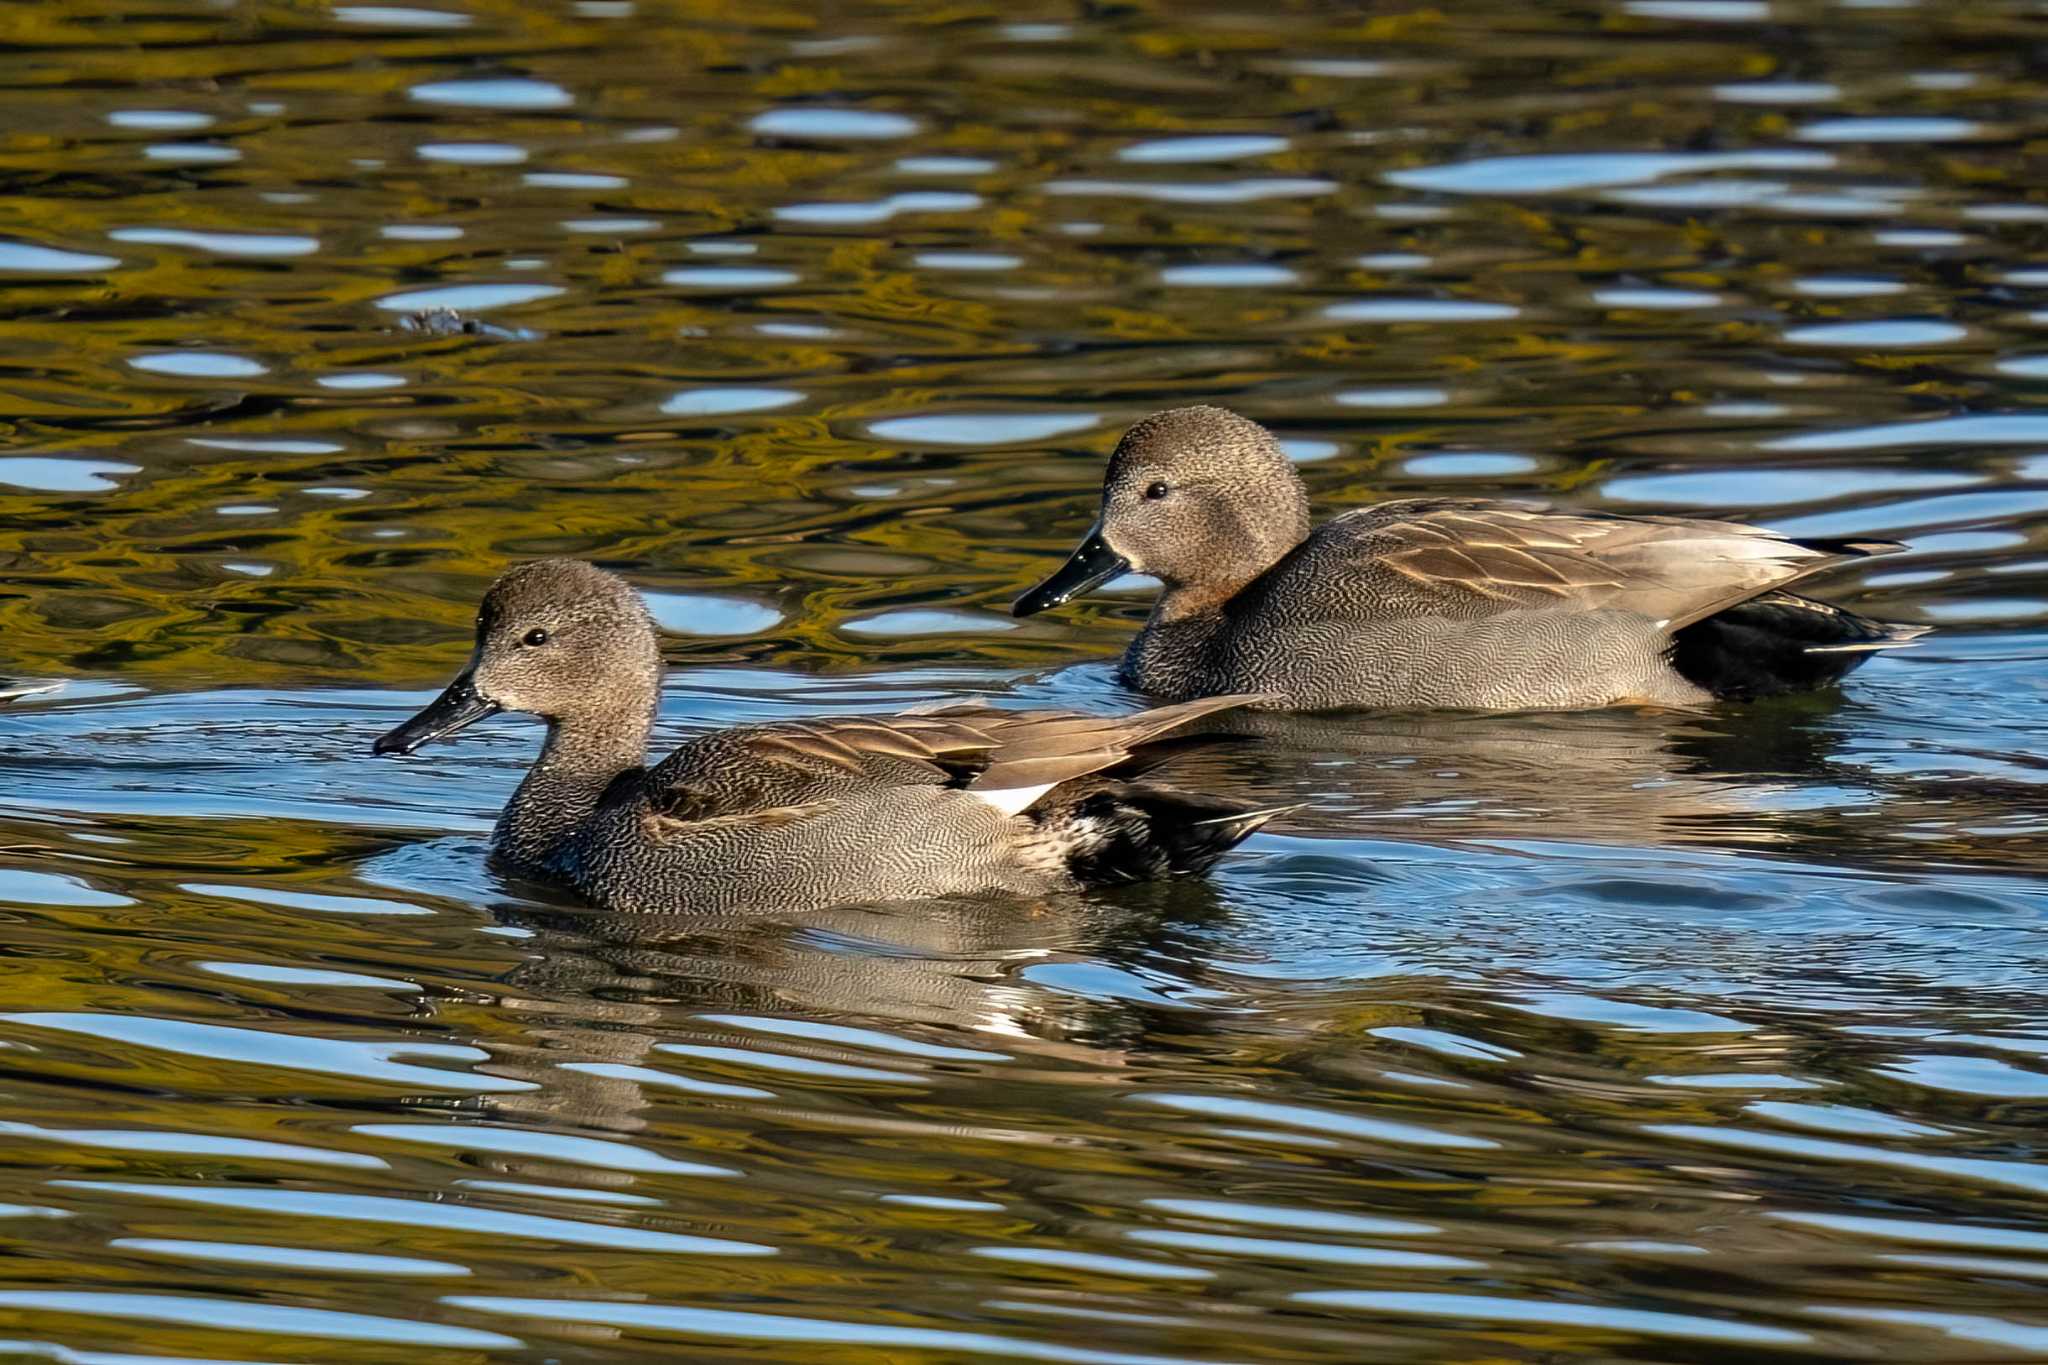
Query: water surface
x=1670 y=1038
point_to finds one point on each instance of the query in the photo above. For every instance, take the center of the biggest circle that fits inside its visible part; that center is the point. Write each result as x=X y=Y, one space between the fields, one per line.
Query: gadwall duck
x=803 y=814
x=1443 y=602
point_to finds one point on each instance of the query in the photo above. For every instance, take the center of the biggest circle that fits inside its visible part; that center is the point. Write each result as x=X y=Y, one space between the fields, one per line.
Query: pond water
x=1611 y=1037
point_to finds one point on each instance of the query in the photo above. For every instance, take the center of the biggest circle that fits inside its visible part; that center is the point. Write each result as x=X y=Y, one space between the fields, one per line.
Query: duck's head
x=558 y=638
x=1200 y=498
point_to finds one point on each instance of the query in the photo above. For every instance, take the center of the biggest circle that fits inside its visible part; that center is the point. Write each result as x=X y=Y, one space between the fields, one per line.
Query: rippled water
x=1607 y=1037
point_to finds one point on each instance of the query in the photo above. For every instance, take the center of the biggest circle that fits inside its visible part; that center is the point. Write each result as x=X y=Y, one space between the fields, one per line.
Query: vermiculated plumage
x=806 y=813
x=1444 y=602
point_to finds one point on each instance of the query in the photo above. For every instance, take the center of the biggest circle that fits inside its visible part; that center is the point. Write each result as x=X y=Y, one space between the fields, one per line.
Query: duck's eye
x=536 y=637
x=1157 y=490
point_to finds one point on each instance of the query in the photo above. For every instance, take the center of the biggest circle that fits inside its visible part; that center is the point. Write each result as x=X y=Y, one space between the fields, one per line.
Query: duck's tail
x=1780 y=643
x=1112 y=832
x=11 y=688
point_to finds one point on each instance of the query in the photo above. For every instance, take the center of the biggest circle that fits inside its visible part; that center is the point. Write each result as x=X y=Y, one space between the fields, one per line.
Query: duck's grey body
x=804 y=814
x=1437 y=602
x=832 y=812
x=891 y=830
x=1537 y=662
x=1467 y=604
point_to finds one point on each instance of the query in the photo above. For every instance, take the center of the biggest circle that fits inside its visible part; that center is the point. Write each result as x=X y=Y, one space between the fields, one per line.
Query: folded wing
x=1471 y=558
x=774 y=774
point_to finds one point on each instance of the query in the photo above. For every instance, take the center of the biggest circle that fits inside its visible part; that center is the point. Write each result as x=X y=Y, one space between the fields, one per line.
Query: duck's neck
x=1190 y=602
x=1172 y=655
x=581 y=758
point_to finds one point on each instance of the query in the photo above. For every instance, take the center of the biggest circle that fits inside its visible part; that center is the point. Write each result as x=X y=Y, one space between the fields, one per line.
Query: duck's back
x=793 y=815
x=1459 y=603
x=965 y=800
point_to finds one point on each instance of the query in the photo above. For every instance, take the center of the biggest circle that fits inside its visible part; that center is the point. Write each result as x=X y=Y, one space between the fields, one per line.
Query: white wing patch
x=1011 y=800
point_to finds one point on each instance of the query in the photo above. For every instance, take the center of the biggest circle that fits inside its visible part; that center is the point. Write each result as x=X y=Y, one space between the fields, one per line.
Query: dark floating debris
x=447 y=322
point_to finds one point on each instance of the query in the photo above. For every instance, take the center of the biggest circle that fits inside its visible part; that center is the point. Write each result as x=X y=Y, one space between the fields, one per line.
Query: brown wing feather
x=805 y=749
x=1038 y=748
x=780 y=773
x=664 y=825
x=1477 y=558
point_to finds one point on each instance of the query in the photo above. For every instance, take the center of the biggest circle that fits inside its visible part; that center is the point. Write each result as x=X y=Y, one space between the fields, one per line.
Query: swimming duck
x=802 y=814
x=1459 y=603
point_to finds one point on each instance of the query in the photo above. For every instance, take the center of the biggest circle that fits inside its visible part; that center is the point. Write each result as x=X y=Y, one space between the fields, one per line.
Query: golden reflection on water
x=274 y=530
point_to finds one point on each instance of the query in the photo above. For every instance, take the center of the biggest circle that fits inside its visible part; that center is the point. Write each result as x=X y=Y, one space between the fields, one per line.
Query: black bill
x=1088 y=568
x=456 y=707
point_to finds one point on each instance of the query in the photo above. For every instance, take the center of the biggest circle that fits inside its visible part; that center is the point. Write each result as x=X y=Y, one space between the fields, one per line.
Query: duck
x=968 y=799
x=1443 y=603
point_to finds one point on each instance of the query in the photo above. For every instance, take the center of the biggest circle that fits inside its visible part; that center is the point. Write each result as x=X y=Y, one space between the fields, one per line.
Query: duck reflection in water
x=638 y=998
x=1794 y=774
